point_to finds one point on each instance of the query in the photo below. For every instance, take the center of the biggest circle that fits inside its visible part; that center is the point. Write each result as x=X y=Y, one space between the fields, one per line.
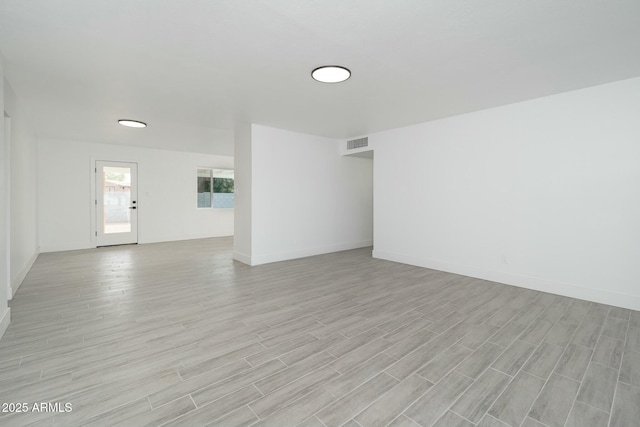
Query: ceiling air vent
x=358 y=143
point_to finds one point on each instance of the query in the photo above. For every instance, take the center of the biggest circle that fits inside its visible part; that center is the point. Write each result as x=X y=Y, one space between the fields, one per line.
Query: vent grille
x=358 y=143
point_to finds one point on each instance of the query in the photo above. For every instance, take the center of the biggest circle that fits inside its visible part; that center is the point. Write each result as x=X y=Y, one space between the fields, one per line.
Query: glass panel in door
x=116 y=193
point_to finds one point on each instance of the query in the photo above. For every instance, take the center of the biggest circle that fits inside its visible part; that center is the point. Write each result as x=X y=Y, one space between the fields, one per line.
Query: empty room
x=352 y=213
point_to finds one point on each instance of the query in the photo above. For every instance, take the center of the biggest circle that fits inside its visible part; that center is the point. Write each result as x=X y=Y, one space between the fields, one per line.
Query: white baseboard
x=245 y=259
x=4 y=321
x=266 y=259
x=72 y=246
x=15 y=283
x=538 y=284
x=176 y=237
x=76 y=246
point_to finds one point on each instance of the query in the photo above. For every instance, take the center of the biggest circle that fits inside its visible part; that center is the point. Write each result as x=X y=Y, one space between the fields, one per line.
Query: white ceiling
x=192 y=68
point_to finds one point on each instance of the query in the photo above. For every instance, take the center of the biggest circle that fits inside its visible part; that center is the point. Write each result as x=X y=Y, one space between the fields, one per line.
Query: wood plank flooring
x=180 y=334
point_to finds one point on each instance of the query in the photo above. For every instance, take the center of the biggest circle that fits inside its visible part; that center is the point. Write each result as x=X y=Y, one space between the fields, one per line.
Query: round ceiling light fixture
x=331 y=74
x=132 y=123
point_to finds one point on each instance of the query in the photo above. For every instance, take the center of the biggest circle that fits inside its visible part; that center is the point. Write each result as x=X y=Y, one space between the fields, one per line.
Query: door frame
x=93 y=220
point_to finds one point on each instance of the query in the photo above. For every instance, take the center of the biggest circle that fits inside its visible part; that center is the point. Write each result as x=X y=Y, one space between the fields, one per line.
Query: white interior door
x=116 y=203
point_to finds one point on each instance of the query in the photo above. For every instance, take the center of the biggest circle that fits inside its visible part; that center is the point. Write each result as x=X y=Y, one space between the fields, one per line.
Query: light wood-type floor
x=180 y=334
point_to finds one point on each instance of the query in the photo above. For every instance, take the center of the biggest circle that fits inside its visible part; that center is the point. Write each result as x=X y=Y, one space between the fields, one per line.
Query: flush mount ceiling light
x=132 y=123
x=331 y=74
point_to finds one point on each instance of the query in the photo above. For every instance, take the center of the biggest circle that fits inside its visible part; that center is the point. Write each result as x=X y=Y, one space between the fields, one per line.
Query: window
x=215 y=188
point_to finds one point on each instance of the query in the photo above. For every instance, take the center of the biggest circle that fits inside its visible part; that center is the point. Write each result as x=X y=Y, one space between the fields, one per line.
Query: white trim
x=67 y=247
x=15 y=284
x=176 y=237
x=538 y=284
x=4 y=321
x=245 y=259
x=77 y=246
x=266 y=259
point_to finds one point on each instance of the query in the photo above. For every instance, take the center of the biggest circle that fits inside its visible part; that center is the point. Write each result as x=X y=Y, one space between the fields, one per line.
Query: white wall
x=543 y=194
x=167 y=197
x=307 y=199
x=5 y=312
x=23 y=191
x=242 y=187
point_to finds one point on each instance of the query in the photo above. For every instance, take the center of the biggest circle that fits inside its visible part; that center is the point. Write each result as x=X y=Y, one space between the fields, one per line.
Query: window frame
x=214 y=173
